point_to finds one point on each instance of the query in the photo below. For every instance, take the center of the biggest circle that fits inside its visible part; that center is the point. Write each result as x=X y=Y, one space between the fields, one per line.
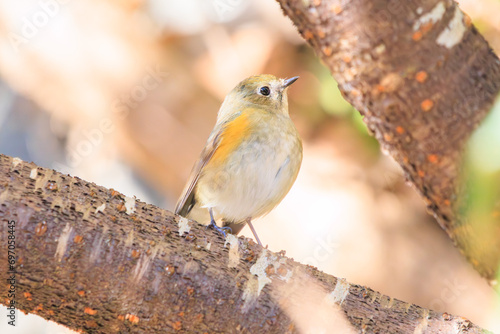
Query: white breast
x=259 y=174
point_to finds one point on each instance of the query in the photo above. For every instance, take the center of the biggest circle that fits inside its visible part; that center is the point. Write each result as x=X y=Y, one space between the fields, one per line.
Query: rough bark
x=96 y=261
x=423 y=78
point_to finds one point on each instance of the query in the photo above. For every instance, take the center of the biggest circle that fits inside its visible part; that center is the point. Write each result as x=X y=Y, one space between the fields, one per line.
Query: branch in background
x=96 y=261
x=423 y=78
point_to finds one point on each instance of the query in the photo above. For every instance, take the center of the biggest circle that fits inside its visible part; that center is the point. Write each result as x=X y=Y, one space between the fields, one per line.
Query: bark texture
x=423 y=78
x=96 y=261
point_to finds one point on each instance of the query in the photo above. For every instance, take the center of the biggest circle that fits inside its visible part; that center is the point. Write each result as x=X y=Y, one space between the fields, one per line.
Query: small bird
x=251 y=158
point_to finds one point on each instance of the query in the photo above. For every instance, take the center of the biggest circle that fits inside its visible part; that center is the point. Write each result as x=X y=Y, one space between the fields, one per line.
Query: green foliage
x=481 y=205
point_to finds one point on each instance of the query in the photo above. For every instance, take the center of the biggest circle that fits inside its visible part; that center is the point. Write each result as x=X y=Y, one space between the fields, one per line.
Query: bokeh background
x=124 y=94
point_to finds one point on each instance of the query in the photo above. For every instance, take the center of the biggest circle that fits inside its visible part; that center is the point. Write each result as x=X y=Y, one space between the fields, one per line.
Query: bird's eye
x=265 y=91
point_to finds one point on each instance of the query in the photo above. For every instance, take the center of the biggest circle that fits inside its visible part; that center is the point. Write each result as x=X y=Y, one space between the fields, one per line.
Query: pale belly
x=255 y=179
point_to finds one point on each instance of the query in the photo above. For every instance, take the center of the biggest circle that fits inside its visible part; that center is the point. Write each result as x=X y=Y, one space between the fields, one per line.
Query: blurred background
x=124 y=94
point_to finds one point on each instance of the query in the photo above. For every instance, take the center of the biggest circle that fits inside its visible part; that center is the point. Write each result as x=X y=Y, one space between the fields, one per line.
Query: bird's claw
x=222 y=230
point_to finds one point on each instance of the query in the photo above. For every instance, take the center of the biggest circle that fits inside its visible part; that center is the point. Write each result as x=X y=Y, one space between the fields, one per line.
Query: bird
x=250 y=161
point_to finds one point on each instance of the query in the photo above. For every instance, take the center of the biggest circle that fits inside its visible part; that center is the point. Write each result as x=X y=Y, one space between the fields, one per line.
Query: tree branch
x=96 y=261
x=423 y=78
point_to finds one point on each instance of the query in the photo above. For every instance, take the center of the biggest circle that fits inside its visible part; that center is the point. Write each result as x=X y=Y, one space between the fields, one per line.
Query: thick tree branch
x=94 y=260
x=424 y=78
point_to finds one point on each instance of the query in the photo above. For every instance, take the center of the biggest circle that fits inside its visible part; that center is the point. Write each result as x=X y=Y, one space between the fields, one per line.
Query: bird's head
x=262 y=91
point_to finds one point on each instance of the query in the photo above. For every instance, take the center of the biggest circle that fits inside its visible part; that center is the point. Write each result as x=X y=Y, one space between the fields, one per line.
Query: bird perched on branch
x=251 y=158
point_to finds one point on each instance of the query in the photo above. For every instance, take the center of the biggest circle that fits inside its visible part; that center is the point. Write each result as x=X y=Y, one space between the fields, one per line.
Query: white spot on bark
x=454 y=32
x=101 y=208
x=141 y=267
x=183 y=226
x=339 y=294
x=422 y=325
x=16 y=161
x=433 y=16
x=288 y=274
x=97 y=245
x=209 y=244
x=129 y=205
x=379 y=49
x=250 y=294
x=420 y=10
x=24 y=214
x=144 y=263
x=156 y=283
x=254 y=285
x=33 y=174
x=234 y=256
x=259 y=269
x=130 y=238
x=4 y=195
x=62 y=243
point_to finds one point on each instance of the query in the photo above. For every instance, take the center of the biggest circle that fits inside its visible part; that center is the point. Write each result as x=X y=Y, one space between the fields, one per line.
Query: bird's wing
x=232 y=129
x=186 y=200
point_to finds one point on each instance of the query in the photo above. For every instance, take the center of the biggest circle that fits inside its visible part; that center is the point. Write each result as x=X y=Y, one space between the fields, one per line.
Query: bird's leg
x=221 y=230
x=249 y=222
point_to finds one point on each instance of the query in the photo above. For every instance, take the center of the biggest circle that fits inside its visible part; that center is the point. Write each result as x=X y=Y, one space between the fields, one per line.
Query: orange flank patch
x=232 y=136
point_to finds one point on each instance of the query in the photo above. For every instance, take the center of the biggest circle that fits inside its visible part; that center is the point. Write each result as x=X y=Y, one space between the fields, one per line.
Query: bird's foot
x=222 y=230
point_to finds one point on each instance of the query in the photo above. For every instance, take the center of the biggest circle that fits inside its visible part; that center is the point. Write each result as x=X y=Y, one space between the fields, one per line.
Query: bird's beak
x=288 y=82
